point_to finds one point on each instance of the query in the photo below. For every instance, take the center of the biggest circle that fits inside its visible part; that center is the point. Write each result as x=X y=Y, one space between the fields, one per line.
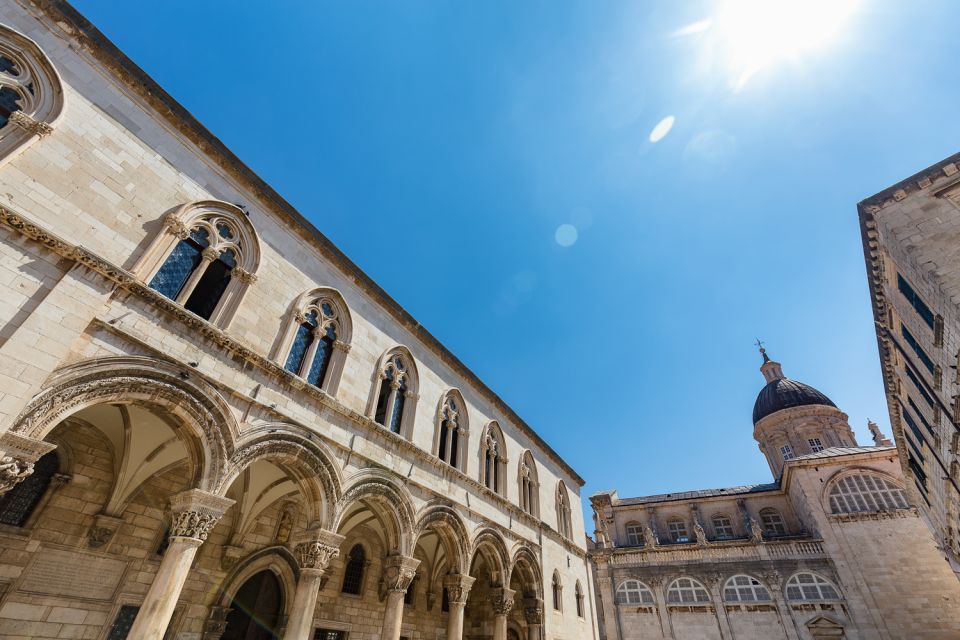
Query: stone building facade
x=910 y=237
x=212 y=423
x=832 y=548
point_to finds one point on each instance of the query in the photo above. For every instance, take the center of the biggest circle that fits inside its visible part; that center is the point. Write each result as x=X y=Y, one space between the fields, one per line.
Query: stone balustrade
x=728 y=551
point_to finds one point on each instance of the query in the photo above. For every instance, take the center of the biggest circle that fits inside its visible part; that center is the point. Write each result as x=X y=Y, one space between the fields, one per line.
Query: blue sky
x=442 y=144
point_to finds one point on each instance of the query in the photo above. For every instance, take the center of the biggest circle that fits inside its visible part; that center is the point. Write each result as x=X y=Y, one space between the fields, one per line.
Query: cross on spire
x=763 y=351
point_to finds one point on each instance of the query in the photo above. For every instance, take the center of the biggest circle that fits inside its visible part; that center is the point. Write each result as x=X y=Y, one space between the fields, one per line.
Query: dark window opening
x=353 y=572
x=123 y=622
x=181 y=262
x=382 y=398
x=915 y=301
x=205 y=296
x=255 y=612
x=19 y=502
x=9 y=100
x=924 y=358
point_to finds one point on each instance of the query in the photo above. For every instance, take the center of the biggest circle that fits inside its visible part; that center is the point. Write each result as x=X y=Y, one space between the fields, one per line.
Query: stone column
x=502 y=600
x=533 y=614
x=458 y=587
x=207 y=256
x=194 y=515
x=17 y=456
x=773 y=580
x=714 y=582
x=398 y=573
x=656 y=584
x=313 y=553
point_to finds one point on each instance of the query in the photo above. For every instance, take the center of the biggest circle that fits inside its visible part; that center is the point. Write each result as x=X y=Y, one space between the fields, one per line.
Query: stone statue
x=649 y=540
x=756 y=532
x=701 y=534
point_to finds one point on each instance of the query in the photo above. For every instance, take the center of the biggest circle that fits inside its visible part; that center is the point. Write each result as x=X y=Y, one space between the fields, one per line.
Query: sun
x=751 y=35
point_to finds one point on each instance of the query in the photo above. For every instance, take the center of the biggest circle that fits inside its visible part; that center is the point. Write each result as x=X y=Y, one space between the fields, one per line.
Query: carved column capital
x=398 y=572
x=210 y=254
x=174 y=226
x=315 y=550
x=458 y=588
x=340 y=345
x=29 y=124
x=533 y=611
x=17 y=455
x=243 y=275
x=194 y=513
x=502 y=600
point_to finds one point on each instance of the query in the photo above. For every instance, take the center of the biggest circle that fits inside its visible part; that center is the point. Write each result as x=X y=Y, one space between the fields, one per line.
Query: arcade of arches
x=269 y=540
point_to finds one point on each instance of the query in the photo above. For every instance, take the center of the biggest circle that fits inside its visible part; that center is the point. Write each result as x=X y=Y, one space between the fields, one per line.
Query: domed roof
x=783 y=393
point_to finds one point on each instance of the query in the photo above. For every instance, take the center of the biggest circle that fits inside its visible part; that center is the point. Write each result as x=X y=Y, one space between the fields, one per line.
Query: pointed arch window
x=578 y=592
x=564 y=521
x=452 y=429
x=395 y=392
x=557 y=589
x=318 y=339
x=17 y=504
x=493 y=459
x=353 y=571
x=528 y=485
x=31 y=94
x=205 y=260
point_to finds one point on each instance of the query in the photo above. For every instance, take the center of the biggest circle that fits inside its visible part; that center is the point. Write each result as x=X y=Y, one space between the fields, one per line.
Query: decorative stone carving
x=13 y=471
x=229 y=556
x=533 y=611
x=756 y=531
x=315 y=554
x=398 y=572
x=700 y=534
x=216 y=623
x=102 y=530
x=174 y=225
x=772 y=580
x=501 y=599
x=27 y=123
x=195 y=513
x=17 y=455
x=243 y=275
x=210 y=254
x=649 y=538
x=458 y=588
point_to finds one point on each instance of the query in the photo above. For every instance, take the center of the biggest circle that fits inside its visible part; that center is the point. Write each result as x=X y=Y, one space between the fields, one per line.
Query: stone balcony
x=726 y=551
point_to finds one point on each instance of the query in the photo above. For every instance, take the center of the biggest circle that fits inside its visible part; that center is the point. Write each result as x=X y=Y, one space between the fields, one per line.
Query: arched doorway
x=255 y=609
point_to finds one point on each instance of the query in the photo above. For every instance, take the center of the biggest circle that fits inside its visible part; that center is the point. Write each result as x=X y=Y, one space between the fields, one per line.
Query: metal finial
x=763 y=351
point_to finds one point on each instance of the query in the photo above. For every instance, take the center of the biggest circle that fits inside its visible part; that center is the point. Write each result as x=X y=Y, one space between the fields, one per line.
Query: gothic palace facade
x=833 y=548
x=212 y=423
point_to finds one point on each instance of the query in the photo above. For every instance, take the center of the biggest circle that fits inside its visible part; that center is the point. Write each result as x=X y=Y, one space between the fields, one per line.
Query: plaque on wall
x=73 y=574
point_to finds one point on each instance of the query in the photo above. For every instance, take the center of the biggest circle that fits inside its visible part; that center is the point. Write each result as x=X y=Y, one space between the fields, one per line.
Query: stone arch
x=458 y=451
x=391 y=502
x=278 y=559
x=309 y=462
x=448 y=525
x=830 y=482
x=526 y=568
x=40 y=92
x=490 y=544
x=199 y=410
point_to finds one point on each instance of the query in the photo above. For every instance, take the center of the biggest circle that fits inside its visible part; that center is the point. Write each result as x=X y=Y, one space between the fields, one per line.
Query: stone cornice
x=135 y=81
x=917 y=182
x=127 y=282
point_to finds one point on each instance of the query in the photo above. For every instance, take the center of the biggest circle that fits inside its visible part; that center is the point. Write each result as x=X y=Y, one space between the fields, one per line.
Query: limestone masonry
x=212 y=423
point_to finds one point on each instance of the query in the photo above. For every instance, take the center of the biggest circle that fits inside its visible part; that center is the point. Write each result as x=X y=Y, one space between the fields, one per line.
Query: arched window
x=578 y=592
x=634 y=534
x=493 y=459
x=745 y=589
x=773 y=525
x=557 y=589
x=318 y=338
x=18 y=503
x=564 y=521
x=687 y=591
x=353 y=572
x=396 y=391
x=31 y=94
x=452 y=428
x=722 y=526
x=205 y=260
x=863 y=492
x=633 y=592
x=677 y=530
x=529 y=486
x=810 y=586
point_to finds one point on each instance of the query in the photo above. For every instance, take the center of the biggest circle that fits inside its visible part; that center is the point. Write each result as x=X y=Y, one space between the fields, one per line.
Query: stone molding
x=30 y=125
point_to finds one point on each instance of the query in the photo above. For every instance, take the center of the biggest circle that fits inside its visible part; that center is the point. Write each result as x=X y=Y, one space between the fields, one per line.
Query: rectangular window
x=919 y=385
x=678 y=531
x=123 y=622
x=328 y=634
x=918 y=471
x=918 y=305
x=916 y=410
x=815 y=444
x=787 y=452
x=913 y=426
x=634 y=535
x=722 y=528
x=910 y=340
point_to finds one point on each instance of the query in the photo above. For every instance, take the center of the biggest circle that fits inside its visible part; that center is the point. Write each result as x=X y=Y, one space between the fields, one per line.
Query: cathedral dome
x=783 y=393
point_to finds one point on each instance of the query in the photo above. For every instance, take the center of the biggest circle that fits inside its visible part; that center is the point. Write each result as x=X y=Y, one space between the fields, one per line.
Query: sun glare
x=755 y=34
